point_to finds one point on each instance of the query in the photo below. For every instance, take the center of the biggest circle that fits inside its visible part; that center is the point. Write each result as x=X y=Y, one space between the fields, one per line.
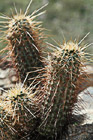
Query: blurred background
x=71 y=19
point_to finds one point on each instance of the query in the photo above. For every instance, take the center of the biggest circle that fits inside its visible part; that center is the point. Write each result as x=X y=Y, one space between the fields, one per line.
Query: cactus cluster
x=48 y=107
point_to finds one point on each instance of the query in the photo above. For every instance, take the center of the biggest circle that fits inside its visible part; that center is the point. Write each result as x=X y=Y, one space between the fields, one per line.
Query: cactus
x=52 y=105
x=19 y=112
x=49 y=109
x=25 y=42
x=64 y=74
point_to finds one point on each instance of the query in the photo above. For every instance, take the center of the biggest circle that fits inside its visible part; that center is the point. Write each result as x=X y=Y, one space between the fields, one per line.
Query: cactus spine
x=63 y=76
x=25 y=41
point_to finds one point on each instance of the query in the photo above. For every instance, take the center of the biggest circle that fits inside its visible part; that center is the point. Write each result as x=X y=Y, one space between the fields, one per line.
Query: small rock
x=13 y=79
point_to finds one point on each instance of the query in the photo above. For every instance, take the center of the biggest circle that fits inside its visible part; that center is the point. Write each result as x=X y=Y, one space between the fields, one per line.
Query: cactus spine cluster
x=18 y=113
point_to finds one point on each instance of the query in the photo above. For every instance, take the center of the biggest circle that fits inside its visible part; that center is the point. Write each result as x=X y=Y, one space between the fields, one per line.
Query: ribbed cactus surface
x=63 y=79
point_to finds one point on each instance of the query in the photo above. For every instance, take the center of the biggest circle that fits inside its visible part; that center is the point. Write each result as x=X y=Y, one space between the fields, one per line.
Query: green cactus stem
x=25 y=42
x=64 y=74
